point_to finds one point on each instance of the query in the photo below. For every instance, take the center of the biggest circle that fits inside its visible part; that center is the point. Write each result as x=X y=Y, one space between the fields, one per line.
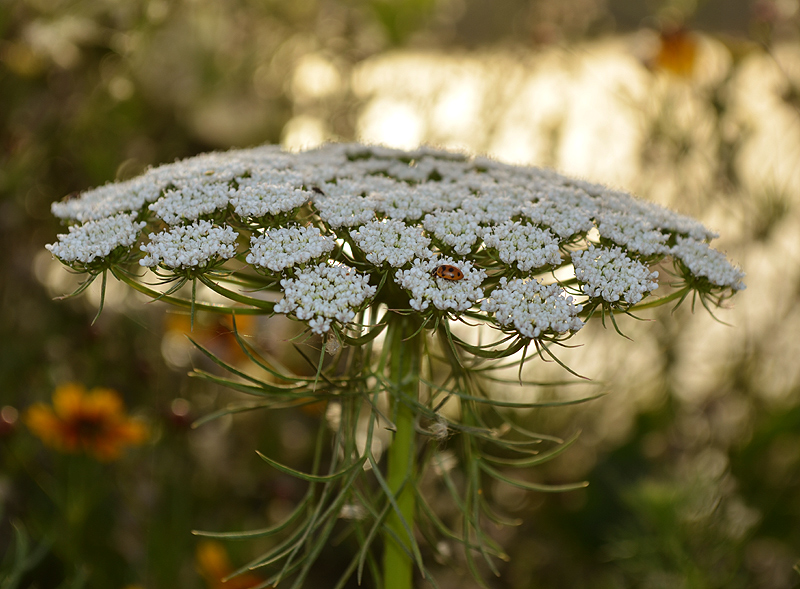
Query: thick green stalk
x=405 y=347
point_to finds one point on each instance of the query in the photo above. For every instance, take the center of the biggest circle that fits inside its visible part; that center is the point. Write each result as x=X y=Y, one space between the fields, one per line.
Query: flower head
x=189 y=246
x=96 y=239
x=532 y=308
x=278 y=249
x=324 y=294
x=346 y=226
x=93 y=422
x=613 y=276
x=426 y=288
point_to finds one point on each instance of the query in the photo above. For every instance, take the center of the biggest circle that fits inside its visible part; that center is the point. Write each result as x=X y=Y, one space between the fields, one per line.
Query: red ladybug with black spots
x=448 y=272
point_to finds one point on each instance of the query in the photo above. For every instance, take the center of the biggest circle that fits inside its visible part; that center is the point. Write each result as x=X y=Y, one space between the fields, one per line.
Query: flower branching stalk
x=360 y=243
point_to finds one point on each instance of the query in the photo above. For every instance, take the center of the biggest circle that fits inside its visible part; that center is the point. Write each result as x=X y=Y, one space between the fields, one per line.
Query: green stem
x=405 y=346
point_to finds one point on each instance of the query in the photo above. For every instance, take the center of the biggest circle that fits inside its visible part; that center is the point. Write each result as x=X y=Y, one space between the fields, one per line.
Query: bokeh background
x=693 y=456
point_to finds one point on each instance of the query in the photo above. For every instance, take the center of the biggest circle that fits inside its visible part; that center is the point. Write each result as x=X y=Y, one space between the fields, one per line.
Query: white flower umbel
x=189 y=246
x=257 y=197
x=565 y=211
x=492 y=208
x=96 y=239
x=532 y=308
x=526 y=245
x=391 y=241
x=278 y=249
x=635 y=232
x=455 y=229
x=703 y=260
x=612 y=275
x=344 y=204
x=190 y=202
x=408 y=211
x=323 y=294
x=108 y=200
x=446 y=295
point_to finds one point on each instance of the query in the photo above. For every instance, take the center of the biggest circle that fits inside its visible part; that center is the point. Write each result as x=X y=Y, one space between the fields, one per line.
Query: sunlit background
x=693 y=455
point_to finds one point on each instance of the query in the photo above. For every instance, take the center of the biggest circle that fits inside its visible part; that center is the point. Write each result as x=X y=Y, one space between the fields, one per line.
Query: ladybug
x=448 y=272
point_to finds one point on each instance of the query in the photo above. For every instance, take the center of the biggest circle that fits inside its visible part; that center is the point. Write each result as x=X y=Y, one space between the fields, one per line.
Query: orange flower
x=214 y=564
x=677 y=52
x=86 y=421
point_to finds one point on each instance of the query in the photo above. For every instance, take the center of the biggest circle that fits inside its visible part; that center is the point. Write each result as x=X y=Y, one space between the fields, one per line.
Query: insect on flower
x=448 y=272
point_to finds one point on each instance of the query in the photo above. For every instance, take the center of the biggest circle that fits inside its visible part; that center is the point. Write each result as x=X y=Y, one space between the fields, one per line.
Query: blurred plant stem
x=404 y=341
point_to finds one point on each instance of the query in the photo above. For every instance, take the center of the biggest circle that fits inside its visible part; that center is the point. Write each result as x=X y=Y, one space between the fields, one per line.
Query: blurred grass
x=693 y=460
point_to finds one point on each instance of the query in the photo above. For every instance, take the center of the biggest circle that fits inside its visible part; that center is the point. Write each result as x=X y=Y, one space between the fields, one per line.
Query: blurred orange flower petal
x=214 y=565
x=677 y=52
x=94 y=422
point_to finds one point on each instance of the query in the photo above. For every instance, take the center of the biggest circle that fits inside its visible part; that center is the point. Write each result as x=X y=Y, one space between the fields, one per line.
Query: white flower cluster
x=278 y=249
x=456 y=229
x=343 y=204
x=254 y=197
x=392 y=241
x=634 y=232
x=529 y=246
x=702 y=260
x=96 y=239
x=108 y=200
x=189 y=246
x=446 y=295
x=566 y=211
x=532 y=308
x=406 y=211
x=492 y=205
x=612 y=275
x=189 y=203
x=323 y=294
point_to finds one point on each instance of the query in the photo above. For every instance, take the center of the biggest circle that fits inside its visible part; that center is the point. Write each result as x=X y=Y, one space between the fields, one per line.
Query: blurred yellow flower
x=86 y=421
x=214 y=565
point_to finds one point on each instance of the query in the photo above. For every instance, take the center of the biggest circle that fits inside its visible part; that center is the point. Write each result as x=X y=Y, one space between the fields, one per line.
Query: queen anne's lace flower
x=527 y=246
x=610 y=274
x=634 y=232
x=391 y=241
x=702 y=260
x=189 y=246
x=257 y=196
x=323 y=294
x=532 y=308
x=565 y=211
x=345 y=204
x=190 y=202
x=278 y=249
x=492 y=208
x=400 y=215
x=455 y=229
x=108 y=200
x=96 y=239
x=446 y=295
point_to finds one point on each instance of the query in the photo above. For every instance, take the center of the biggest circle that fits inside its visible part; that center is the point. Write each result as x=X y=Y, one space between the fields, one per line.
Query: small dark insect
x=448 y=272
x=317 y=189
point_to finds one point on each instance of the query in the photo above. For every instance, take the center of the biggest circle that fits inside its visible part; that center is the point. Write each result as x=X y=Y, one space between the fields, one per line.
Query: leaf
x=366 y=338
x=532 y=486
x=311 y=477
x=532 y=461
x=239 y=298
x=261 y=390
x=181 y=302
x=230 y=368
x=298 y=511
